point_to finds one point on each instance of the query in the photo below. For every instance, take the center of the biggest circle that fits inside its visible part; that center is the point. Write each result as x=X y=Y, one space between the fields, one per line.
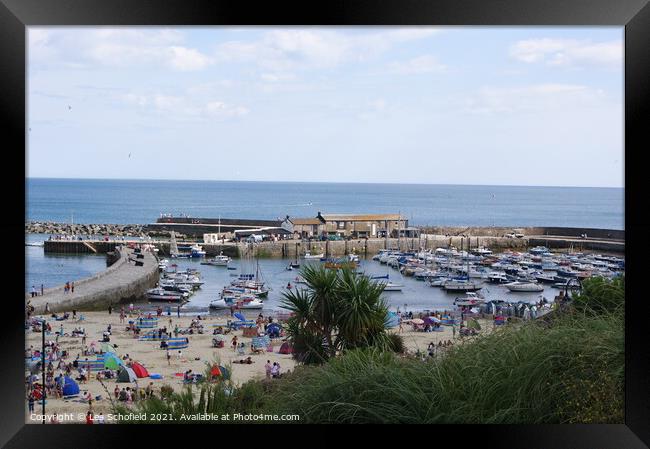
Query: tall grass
x=571 y=372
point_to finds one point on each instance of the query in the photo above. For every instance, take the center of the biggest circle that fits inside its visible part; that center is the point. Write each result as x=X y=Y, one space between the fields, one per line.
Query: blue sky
x=434 y=105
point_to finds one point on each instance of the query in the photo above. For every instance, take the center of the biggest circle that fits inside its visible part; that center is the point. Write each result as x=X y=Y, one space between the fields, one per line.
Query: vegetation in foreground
x=568 y=369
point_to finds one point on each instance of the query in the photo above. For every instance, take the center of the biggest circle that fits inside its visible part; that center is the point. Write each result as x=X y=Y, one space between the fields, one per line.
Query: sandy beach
x=195 y=357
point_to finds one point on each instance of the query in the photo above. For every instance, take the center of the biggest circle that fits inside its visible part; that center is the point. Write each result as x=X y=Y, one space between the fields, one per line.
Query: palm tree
x=336 y=311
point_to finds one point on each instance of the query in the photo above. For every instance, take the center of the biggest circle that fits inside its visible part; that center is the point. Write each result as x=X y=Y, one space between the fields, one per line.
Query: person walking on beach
x=267 y=368
x=42 y=289
x=169 y=357
x=110 y=309
x=33 y=291
x=234 y=343
x=31 y=402
x=72 y=287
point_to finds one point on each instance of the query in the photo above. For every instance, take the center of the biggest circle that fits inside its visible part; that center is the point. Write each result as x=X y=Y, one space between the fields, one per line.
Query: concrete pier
x=122 y=282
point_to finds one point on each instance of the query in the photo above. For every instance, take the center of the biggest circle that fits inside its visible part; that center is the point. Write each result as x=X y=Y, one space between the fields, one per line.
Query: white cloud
x=418 y=65
x=113 y=47
x=569 y=52
x=292 y=49
x=533 y=98
x=183 y=108
x=188 y=59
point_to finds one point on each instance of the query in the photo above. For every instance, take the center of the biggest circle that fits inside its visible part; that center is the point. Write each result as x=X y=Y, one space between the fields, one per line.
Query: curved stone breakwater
x=123 y=281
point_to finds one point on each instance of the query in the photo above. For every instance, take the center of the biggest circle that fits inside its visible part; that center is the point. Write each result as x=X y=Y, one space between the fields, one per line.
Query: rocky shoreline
x=47 y=227
x=85 y=229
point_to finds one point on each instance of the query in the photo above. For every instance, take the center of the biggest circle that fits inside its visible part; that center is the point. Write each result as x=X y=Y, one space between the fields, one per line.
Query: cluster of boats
x=466 y=271
x=246 y=292
x=174 y=285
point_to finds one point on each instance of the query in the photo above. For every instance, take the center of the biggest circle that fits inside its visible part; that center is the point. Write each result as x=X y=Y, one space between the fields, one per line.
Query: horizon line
x=318 y=182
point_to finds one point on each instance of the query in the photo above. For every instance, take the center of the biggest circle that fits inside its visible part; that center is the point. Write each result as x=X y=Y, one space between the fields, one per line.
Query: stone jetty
x=122 y=282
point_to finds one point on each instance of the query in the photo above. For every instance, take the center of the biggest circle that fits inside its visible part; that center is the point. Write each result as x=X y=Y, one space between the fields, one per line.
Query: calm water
x=53 y=270
x=142 y=201
x=139 y=201
x=416 y=295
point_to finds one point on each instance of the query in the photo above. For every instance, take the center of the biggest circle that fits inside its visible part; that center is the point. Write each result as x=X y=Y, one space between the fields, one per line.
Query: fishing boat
x=160 y=294
x=196 y=251
x=218 y=261
x=524 y=287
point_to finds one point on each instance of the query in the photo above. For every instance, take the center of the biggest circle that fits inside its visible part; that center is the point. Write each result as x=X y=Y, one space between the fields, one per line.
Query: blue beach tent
x=392 y=320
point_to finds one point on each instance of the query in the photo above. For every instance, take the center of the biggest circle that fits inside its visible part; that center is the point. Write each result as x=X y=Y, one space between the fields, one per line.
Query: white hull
x=313 y=256
x=524 y=287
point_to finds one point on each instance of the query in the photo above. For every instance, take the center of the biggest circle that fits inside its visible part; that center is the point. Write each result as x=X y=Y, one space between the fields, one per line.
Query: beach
x=195 y=357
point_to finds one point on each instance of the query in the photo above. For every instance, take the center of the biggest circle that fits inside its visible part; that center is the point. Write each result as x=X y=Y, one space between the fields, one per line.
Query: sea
x=143 y=201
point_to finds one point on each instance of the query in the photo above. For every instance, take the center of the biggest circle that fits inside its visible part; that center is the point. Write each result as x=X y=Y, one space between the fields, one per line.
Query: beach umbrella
x=240 y=317
x=417 y=321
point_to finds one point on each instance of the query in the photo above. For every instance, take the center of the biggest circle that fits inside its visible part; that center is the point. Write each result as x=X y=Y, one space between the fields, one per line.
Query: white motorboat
x=218 y=304
x=309 y=255
x=218 y=261
x=470 y=299
x=226 y=304
x=497 y=278
x=460 y=285
x=160 y=294
x=392 y=287
x=524 y=287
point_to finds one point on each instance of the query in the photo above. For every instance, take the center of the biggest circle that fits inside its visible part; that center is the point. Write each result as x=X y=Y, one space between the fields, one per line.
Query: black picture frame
x=634 y=15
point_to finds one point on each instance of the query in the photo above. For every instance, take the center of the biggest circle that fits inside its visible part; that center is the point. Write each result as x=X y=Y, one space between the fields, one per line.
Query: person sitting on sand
x=247 y=361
